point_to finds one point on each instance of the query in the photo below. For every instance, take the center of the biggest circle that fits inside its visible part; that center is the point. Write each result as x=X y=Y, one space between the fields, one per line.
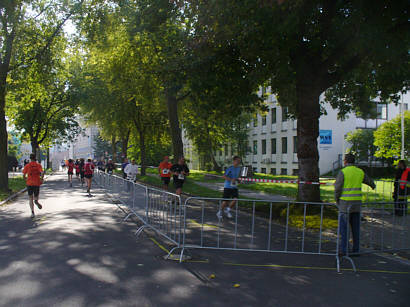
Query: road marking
x=192 y=221
x=309 y=268
x=159 y=245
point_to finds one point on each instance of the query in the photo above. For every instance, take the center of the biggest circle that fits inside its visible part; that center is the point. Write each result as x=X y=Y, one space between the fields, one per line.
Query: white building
x=273 y=137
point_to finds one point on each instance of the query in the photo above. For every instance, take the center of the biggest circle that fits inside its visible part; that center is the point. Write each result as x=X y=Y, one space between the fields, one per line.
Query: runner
x=88 y=173
x=179 y=171
x=34 y=175
x=131 y=170
x=230 y=188
x=101 y=165
x=81 y=167
x=110 y=167
x=77 y=168
x=70 y=172
x=123 y=166
x=164 y=171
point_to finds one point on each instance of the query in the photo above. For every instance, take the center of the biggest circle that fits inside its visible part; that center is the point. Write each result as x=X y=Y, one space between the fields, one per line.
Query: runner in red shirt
x=164 y=170
x=70 y=166
x=88 y=174
x=34 y=175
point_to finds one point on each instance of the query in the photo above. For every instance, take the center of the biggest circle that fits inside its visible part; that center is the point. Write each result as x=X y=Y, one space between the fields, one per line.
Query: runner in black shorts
x=179 y=171
x=34 y=175
x=81 y=167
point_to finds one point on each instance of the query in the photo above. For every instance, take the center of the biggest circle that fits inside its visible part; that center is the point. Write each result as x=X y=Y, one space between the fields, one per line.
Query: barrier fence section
x=157 y=209
x=287 y=227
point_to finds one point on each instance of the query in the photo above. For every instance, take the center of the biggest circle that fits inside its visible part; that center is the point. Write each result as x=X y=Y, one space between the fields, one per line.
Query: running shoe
x=32 y=215
x=219 y=214
x=228 y=213
x=38 y=204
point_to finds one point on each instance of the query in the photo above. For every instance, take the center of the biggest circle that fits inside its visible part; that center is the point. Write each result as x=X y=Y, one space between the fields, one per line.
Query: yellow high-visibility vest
x=352 y=186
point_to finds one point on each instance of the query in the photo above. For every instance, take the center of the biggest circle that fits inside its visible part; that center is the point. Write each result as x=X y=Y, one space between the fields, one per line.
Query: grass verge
x=15 y=184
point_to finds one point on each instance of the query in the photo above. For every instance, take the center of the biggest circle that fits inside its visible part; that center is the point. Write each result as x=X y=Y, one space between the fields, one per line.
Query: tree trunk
x=34 y=150
x=4 y=181
x=308 y=133
x=124 y=144
x=175 y=129
x=114 y=148
x=143 y=152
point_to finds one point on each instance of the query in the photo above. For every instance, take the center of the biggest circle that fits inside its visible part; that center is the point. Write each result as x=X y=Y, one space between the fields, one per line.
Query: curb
x=12 y=196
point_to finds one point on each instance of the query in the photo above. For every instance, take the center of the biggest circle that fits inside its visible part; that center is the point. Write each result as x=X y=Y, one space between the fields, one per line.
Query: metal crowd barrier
x=260 y=225
x=157 y=209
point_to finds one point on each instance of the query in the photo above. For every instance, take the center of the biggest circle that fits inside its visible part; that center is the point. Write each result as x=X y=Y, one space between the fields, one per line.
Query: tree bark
x=4 y=181
x=124 y=143
x=175 y=129
x=114 y=148
x=308 y=133
x=143 y=152
x=34 y=149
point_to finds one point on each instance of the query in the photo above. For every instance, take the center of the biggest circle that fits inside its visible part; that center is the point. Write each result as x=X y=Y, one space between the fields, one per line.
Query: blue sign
x=325 y=136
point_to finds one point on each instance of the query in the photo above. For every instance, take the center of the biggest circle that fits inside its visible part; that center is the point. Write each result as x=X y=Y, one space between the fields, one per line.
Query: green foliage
x=15 y=184
x=387 y=138
x=361 y=141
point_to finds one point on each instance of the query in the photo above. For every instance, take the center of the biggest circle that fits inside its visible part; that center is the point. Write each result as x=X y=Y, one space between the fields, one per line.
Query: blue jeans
x=354 y=221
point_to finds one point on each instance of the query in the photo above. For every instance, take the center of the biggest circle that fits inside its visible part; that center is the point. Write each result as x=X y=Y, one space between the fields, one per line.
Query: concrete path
x=78 y=253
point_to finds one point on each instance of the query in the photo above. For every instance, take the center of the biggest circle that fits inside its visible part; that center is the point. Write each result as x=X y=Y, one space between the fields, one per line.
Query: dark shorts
x=82 y=174
x=70 y=173
x=33 y=190
x=88 y=176
x=230 y=193
x=165 y=180
x=178 y=184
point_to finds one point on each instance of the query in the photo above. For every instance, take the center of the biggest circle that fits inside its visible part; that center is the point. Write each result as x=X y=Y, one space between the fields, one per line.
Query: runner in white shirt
x=131 y=170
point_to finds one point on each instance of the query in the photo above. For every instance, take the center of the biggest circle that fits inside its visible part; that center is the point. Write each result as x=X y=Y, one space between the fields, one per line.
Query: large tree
x=352 y=51
x=22 y=44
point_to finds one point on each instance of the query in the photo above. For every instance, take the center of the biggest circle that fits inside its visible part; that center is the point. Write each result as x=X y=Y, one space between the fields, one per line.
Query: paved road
x=78 y=253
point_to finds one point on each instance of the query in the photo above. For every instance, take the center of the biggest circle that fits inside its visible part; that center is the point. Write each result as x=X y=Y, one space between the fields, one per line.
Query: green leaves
x=387 y=138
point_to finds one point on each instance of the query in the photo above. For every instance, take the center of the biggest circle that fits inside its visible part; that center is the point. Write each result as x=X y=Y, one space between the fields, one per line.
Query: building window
x=255 y=121
x=285 y=114
x=273 y=146
x=220 y=153
x=284 y=145
x=264 y=120
x=295 y=144
x=226 y=150
x=273 y=115
x=273 y=171
x=263 y=147
x=255 y=147
x=283 y=171
x=255 y=169
x=263 y=170
x=295 y=172
x=381 y=111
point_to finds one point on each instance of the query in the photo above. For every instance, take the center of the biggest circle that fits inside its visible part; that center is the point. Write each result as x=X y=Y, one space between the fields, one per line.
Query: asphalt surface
x=78 y=252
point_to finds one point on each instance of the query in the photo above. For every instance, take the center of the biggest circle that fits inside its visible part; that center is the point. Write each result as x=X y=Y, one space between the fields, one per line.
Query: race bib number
x=181 y=177
x=165 y=171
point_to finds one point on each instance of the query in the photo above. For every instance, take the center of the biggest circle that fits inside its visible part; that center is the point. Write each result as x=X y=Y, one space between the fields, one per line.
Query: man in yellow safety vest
x=348 y=196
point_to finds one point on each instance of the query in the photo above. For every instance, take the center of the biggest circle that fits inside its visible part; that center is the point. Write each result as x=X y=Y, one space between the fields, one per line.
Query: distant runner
x=230 y=188
x=81 y=167
x=131 y=170
x=88 y=173
x=123 y=166
x=70 y=171
x=164 y=171
x=34 y=175
x=179 y=172
x=110 y=167
x=77 y=168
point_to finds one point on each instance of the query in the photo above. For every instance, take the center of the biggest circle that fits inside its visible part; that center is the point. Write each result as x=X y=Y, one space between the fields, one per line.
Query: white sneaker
x=219 y=214
x=228 y=213
x=32 y=215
